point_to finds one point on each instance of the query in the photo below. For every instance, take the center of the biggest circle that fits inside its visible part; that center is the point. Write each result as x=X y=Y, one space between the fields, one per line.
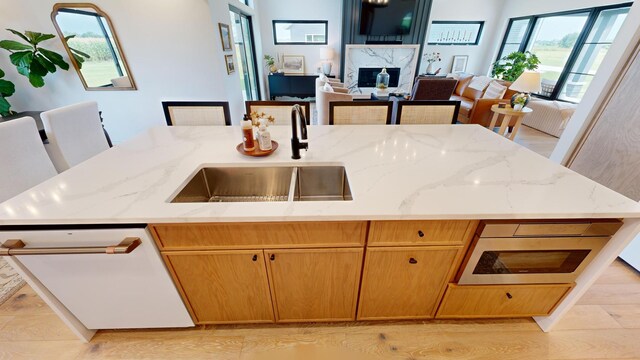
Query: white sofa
x=550 y=117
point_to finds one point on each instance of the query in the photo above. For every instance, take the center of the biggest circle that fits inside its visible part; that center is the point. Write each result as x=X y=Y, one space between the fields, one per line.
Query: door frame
x=249 y=17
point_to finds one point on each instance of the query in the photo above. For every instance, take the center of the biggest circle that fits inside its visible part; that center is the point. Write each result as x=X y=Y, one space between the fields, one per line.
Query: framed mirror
x=93 y=47
x=300 y=32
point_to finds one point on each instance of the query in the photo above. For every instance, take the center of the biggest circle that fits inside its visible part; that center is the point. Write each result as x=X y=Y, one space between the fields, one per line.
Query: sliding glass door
x=245 y=53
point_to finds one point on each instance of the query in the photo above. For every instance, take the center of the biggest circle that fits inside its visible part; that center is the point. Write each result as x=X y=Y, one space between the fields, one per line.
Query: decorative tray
x=257 y=152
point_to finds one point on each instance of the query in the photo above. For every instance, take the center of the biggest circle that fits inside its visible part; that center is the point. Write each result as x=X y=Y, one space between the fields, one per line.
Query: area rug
x=10 y=281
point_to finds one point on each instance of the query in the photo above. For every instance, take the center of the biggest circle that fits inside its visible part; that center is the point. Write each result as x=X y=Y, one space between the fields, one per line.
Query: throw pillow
x=480 y=82
x=327 y=88
x=323 y=77
x=494 y=91
x=453 y=76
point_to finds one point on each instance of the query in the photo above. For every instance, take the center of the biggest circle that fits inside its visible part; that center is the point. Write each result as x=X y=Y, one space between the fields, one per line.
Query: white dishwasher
x=110 y=278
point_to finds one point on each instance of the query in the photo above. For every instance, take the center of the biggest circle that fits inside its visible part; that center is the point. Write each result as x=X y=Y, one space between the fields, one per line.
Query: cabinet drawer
x=259 y=235
x=501 y=300
x=604 y=227
x=393 y=233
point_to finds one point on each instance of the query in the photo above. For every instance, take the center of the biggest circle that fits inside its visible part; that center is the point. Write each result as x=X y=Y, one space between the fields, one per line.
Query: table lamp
x=525 y=84
x=326 y=56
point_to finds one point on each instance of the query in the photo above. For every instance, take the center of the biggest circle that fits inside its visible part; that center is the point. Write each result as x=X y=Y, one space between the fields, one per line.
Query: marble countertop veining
x=395 y=172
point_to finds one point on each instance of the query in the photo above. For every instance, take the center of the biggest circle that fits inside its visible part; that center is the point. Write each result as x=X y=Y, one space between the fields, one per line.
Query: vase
x=527 y=97
x=430 y=68
x=382 y=80
x=273 y=68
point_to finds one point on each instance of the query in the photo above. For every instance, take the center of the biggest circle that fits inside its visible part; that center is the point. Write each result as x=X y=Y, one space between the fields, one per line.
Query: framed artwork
x=459 y=63
x=231 y=68
x=293 y=64
x=225 y=36
x=455 y=32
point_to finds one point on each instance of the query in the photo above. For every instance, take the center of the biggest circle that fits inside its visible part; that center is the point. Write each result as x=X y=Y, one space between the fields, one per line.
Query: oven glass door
x=530 y=261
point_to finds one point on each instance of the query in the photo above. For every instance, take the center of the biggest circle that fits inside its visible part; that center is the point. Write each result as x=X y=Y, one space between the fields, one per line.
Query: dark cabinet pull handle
x=509 y=296
x=420 y=233
x=255 y=258
x=272 y=257
x=413 y=261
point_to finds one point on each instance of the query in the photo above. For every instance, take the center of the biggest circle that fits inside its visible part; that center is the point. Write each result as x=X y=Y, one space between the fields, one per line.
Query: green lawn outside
x=99 y=73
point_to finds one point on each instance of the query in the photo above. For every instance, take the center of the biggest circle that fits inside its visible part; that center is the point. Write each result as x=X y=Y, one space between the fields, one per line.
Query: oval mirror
x=93 y=47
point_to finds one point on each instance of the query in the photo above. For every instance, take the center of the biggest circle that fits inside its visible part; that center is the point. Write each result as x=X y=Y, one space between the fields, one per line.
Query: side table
x=508 y=113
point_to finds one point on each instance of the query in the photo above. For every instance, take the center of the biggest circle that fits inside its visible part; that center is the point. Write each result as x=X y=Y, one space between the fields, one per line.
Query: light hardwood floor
x=536 y=140
x=604 y=325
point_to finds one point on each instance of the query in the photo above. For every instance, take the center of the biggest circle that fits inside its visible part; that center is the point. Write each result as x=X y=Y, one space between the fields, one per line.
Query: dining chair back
x=429 y=88
x=24 y=162
x=279 y=110
x=196 y=113
x=75 y=134
x=426 y=112
x=360 y=112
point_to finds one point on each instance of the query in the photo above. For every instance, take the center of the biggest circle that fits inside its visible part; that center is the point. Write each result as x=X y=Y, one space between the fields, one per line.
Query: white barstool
x=75 y=134
x=23 y=160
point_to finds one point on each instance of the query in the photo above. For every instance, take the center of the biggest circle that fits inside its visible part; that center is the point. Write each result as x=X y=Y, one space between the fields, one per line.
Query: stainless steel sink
x=322 y=183
x=263 y=184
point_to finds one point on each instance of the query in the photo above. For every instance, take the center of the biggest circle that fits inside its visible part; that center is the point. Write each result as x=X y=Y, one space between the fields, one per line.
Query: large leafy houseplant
x=30 y=59
x=6 y=89
x=510 y=67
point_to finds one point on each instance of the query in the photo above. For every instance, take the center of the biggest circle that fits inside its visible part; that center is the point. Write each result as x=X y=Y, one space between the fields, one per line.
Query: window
x=570 y=45
x=455 y=32
x=300 y=32
x=591 y=54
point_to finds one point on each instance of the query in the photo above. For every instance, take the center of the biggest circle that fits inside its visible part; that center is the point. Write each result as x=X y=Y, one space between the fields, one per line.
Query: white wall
x=330 y=10
x=173 y=49
x=466 y=10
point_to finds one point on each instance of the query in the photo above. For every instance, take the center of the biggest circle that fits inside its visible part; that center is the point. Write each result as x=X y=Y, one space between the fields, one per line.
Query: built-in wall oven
x=530 y=252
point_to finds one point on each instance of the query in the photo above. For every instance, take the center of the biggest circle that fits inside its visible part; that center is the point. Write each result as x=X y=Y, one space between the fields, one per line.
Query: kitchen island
x=413 y=190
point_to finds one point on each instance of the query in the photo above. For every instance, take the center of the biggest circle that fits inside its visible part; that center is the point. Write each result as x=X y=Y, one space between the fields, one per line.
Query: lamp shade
x=528 y=82
x=326 y=53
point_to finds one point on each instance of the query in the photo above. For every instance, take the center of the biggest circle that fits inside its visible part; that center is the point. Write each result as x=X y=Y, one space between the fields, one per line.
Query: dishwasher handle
x=17 y=247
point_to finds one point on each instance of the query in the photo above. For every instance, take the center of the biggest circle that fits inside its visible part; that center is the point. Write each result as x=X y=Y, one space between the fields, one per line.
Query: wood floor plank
x=254 y=345
x=594 y=344
x=4 y=319
x=30 y=350
x=163 y=344
x=25 y=301
x=443 y=345
x=611 y=294
x=628 y=316
x=584 y=317
x=45 y=327
x=619 y=273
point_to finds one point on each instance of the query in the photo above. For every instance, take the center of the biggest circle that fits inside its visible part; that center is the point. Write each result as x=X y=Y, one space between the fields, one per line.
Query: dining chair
x=426 y=112
x=196 y=113
x=280 y=110
x=75 y=134
x=360 y=112
x=429 y=88
x=24 y=162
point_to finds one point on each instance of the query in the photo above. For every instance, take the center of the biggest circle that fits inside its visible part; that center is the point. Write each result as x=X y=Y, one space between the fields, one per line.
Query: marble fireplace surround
x=404 y=57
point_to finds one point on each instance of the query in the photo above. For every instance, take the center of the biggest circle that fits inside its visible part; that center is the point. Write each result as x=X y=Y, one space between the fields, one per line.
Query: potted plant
x=510 y=67
x=270 y=63
x=31 y=61
x=7 y=88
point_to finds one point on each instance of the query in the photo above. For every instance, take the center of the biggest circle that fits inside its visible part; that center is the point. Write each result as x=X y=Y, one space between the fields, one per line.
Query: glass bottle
x=382 y=80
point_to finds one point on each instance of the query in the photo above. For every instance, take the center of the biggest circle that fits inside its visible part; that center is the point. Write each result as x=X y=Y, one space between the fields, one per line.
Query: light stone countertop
x=395 y=172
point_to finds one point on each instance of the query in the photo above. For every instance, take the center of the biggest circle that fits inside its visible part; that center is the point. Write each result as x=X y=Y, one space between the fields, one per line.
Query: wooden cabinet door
x=223 y=286
x=405 y=282
x=315 y=285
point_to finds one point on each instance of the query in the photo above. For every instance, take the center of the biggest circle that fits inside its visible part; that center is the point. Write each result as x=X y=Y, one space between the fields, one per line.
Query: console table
x=300 y=86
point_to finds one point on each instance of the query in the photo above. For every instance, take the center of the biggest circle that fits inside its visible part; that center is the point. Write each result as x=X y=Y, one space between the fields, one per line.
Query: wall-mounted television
x=386 y=17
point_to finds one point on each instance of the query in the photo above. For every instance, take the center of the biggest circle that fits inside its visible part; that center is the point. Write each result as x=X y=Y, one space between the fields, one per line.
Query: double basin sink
x=263 y=184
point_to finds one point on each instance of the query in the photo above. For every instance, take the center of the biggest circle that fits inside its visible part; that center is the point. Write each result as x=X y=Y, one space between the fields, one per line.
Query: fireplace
x=367 y=76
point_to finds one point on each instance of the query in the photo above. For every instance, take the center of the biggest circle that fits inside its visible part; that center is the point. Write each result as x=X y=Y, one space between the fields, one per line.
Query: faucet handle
x=304 y=145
